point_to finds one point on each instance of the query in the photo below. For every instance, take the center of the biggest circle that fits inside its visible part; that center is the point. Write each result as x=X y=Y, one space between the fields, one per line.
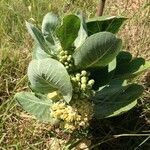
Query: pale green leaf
x=40 y=108
x=37 y=36
x=38 y=53
x=49 y=24
x=48 y=75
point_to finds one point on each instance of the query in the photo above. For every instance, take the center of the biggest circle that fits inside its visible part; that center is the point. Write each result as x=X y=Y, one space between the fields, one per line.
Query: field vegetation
x=20 y=131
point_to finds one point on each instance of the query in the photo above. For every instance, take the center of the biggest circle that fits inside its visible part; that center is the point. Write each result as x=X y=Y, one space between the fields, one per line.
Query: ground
x=20 y=131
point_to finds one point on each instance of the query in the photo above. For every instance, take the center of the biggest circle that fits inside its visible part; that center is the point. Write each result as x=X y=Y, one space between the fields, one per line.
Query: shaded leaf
x=68 y=31
x=128 y=67
x=98 y=50
x=104 y=23
x=101 y=76
x=115 y=99
x=48 y=75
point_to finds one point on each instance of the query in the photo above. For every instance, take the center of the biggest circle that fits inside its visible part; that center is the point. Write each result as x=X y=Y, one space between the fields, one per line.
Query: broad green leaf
x=115 y=99
x=104 y=23
x=49 y=24
x=48 y=75
x=38 y=53
x=82 y=34
x=37 y=36
x=98 y=50
x=68 y=31
x=128 y=67
x=40 y=108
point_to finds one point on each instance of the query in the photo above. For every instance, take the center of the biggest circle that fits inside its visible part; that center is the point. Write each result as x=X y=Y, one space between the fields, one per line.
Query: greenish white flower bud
x=63 y=57
x=83 y=72
x=91 y=82
x=73 y=79
x=66 y=63
x=79 y=84
x=66 y=52
x=78 y=75
x=83 y=86
x=69 y=58
x=77 y=78
x=61 y=60
x=70 y=65
x=62 y=53
x=83 y=79
x=67 y=67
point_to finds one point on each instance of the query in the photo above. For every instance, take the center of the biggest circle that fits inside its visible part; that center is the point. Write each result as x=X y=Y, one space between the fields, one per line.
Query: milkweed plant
x=79 y=71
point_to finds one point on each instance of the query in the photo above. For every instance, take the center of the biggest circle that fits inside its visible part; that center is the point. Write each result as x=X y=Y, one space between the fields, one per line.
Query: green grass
x=17 y=129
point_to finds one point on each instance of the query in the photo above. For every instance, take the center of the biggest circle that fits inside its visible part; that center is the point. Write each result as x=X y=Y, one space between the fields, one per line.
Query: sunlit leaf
x=98 y=50
x=48 y=75
x=40 y=108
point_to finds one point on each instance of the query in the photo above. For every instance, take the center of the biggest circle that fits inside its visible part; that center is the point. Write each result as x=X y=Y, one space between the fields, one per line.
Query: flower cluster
x=65 y=59
x=82 y=85
x=73 y=117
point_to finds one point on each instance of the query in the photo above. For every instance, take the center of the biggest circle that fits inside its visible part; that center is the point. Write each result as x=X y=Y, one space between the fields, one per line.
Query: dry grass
x=136 y=31
x=17 y=130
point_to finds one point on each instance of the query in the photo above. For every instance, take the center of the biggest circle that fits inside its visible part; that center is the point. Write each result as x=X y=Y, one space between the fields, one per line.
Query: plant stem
x=100 y=8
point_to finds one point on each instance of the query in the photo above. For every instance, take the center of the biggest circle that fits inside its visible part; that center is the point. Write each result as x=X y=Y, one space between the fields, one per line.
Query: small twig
x=118 y=136
x=100 y=8
x=142 y=143
x=98 y=144
x=126 y=135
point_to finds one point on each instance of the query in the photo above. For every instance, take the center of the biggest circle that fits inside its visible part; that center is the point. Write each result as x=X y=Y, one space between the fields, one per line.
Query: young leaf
x=48 y=75
x=37 y=36
x=82 y=34
x=68 y=32
x=116 y=99
x=104 y=23
x=98 y=50
x=49 y=24
x=40 y=108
